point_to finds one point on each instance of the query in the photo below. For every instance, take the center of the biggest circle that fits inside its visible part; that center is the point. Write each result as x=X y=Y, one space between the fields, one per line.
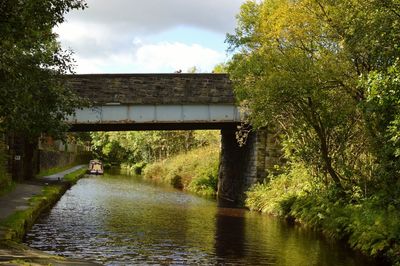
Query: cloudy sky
x=149 y=36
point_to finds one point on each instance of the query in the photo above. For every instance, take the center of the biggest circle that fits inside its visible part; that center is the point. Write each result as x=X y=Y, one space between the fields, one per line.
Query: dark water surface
x=120 y=220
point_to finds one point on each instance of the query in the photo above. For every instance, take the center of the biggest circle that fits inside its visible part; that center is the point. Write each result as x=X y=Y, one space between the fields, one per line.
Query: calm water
x=116 y=220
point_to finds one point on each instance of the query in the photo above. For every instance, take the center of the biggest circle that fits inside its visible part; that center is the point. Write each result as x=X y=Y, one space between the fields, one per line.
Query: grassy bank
x=55 y=170
x=73 y=177
x=195 y=171
x=368 y=224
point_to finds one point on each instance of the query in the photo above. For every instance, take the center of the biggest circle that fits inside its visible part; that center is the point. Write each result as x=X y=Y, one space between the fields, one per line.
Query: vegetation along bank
x=195 y=171
x=326 y=76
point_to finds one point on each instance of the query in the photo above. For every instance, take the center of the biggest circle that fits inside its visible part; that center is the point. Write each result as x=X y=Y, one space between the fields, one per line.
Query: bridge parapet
x=161 y=89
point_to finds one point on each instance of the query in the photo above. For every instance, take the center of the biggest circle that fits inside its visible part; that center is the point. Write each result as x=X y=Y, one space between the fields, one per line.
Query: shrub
x=138 y=167
x=206 y=181
x=155 y=171
x=278 y=195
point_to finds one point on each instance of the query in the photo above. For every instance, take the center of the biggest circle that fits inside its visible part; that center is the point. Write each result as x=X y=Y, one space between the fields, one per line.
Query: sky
x=149 y=36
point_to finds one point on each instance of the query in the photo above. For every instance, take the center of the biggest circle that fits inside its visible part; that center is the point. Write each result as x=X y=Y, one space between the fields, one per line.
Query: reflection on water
x=230 y=234
x=119 y=220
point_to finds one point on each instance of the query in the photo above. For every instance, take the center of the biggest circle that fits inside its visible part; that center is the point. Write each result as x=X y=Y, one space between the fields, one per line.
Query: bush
x=375 y=230
x=138 y=167
x=155 y=172
x=286 y=204
x=278 y=196
x=206 y=181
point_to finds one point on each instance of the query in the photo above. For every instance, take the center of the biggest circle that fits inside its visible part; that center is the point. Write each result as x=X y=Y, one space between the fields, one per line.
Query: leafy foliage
x=33 y=98
x=369 y=224
x=276 y=196
x=300 y=65
x=220 y=68
x=148 y=146
x=326 y=75
x=382 y=108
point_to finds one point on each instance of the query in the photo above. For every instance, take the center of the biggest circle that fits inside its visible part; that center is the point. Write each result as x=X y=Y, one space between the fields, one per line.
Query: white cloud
x=91 y=40
x=152 y=16
x=88 y=66
x=121 y=35
x=163 y=57
x=173 y=56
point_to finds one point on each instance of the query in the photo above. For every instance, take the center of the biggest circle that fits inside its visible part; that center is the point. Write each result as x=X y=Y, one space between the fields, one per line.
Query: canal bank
x=19 y=210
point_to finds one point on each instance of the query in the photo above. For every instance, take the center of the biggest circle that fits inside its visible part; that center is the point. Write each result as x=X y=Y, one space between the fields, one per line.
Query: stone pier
x=241 y=167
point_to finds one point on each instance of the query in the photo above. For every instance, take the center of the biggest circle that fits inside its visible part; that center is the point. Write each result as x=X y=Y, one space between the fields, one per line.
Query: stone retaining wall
x=51 y=159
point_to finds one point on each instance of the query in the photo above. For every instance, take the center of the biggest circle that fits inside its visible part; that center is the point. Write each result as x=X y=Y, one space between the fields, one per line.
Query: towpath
x=18 y=199
x=12 y=253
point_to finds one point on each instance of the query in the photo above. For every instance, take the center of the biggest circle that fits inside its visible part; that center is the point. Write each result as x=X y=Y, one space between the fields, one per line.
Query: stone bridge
x=177 y=101
x=154 y=101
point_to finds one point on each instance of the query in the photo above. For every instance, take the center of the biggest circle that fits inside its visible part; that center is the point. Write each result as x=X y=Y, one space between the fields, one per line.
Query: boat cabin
x=95 y=167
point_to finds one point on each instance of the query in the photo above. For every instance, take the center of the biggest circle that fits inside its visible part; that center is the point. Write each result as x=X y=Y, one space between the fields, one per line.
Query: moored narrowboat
x=95 y=167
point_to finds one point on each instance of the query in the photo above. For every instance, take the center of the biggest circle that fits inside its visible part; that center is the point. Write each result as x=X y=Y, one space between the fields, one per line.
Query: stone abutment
x=243 y=166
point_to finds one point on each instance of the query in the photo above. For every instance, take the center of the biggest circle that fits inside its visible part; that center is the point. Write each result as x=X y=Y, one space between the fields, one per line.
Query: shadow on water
x=119 y=220
x=252 y=239
x=230 y=233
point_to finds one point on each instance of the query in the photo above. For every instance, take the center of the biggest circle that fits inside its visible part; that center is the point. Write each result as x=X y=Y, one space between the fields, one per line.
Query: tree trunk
x=319 y=128
x=328 y=164
x=30 y=158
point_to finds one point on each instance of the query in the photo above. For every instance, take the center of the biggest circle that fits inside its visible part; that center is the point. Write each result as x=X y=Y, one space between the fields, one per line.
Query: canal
x=120 y=220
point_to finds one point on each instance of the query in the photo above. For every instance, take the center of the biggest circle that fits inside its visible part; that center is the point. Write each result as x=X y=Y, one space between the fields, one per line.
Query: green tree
x=105 y=146
x=148 y=146
x=382 y=110
x=298 y=66
x=220 y=68
x=33 y=98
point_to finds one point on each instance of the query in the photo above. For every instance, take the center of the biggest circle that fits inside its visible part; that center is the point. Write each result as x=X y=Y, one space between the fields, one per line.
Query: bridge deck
x=154 y=101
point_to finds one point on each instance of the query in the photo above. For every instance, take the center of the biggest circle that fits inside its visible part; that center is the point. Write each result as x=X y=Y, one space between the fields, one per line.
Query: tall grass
x=276 y=196
x=195 y=171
